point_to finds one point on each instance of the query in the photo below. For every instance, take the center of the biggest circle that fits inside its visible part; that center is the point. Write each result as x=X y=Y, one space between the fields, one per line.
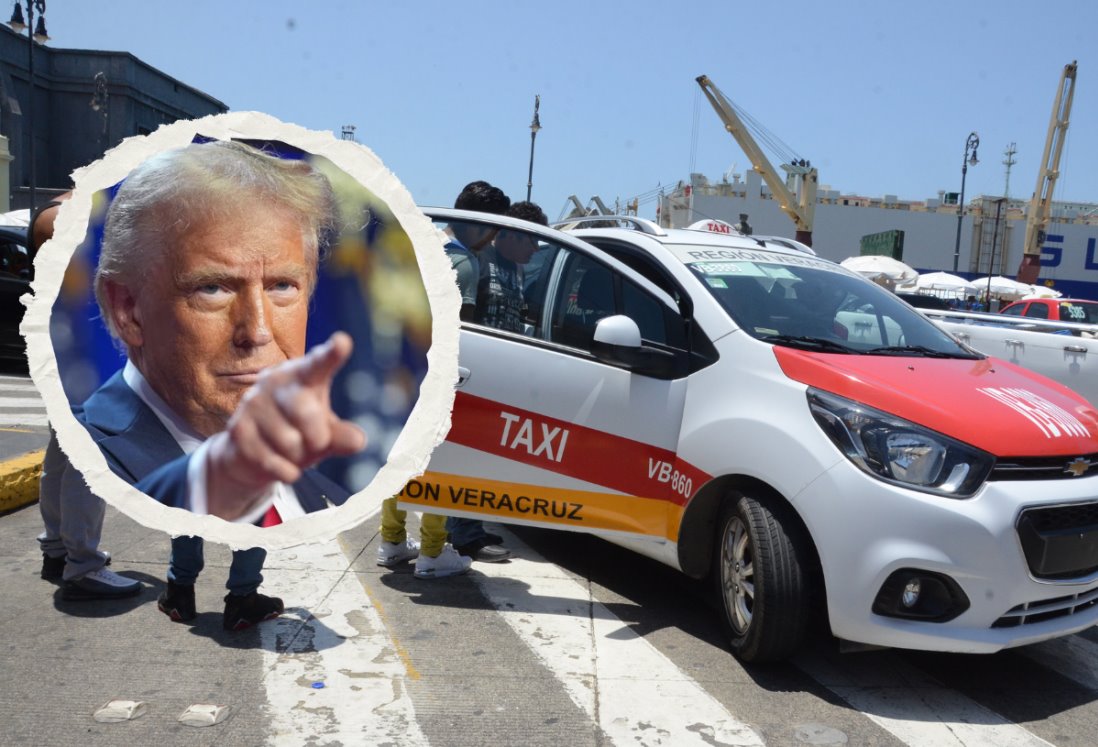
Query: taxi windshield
x=813 y=304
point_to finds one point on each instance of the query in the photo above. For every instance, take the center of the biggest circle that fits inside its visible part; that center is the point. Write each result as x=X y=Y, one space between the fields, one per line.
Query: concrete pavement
x=358 y=646
x=63 y=660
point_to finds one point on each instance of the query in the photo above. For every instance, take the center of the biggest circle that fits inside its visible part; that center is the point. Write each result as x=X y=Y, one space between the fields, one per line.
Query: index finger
x=320 y=364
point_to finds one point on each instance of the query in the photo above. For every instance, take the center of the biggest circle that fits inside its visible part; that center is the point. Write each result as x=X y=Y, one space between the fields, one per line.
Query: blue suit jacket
x=141 y=451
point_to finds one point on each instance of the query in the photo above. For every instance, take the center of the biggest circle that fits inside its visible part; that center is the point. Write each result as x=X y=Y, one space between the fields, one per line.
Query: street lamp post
x=535 y=125
x=972 y=143
x=994 y=239
x=39 y=34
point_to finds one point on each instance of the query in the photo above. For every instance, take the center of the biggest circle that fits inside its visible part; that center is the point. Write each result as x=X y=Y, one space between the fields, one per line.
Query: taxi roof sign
x=712 y=225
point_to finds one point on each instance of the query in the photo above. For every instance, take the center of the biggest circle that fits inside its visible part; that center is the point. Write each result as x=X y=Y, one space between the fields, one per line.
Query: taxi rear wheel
x=761 y=579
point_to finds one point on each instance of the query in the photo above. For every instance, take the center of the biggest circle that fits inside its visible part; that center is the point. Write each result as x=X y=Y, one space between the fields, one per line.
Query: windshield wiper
x=809 y=343
x=920 y=351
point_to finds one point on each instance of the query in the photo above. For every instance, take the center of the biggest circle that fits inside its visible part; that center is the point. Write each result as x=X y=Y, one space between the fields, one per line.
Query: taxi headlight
x=899 y=451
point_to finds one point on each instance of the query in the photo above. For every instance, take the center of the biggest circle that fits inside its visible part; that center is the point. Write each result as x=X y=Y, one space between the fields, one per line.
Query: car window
x=1084 y=313
x=1014 y=309
x=1037 y=310
x=14 y=261
x=585 y=295
x=643 y=265
x=814 y=304
x=646 y=311
x=590 y=290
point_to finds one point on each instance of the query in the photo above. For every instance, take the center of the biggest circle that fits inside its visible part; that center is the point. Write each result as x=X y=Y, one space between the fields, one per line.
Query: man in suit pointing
x=208 y=263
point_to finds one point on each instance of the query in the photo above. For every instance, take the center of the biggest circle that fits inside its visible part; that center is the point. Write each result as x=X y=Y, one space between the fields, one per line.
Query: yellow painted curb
x=19 y=480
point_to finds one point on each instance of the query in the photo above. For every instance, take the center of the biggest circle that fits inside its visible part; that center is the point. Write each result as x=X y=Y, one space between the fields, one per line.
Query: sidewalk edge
x=19 y=480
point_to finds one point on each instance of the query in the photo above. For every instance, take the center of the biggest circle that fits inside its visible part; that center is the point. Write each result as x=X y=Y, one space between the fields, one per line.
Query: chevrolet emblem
x=1078 y=467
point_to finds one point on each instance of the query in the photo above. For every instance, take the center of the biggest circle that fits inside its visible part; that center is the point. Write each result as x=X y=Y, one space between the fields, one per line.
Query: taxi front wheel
x=761 y=578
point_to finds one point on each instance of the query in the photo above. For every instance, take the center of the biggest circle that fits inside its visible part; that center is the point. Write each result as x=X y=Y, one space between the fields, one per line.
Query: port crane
x=800 y=205
x=1040 y=205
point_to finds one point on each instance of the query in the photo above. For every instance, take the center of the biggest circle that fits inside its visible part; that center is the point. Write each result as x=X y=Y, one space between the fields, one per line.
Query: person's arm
x=41 y=222
x=468 y=275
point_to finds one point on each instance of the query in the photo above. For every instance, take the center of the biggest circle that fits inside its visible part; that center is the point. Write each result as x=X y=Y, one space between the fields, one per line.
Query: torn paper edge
x=428 y=423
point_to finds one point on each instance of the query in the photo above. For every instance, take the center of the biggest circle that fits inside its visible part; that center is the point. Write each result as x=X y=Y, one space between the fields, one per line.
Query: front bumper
x=865 y=530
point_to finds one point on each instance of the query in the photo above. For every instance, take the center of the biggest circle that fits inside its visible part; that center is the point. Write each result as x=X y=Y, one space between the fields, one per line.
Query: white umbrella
x=1042 y=291
x=944 y=281
x=1003 y=287
x=876 y=266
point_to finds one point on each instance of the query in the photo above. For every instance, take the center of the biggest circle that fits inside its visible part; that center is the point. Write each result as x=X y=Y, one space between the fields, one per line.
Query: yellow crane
x=1040 y=205
x=801 y=206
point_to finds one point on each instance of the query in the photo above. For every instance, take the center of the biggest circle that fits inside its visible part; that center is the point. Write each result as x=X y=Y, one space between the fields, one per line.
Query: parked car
x=16 y=273
x=1055 y=309
x=743 y=411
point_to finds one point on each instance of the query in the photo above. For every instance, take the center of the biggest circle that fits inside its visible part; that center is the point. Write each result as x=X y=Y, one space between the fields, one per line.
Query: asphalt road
x=574 y=641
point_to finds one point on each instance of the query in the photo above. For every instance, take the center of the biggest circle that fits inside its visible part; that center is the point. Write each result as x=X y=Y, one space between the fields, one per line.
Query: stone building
x=85 y=102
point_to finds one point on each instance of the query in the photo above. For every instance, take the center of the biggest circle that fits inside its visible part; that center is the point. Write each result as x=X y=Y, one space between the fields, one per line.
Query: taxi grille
x=1047 y=609
x=1060 y=542
x=1039 y=468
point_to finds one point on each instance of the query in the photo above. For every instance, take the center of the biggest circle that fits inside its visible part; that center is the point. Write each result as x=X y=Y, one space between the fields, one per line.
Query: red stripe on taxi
x=591 y=455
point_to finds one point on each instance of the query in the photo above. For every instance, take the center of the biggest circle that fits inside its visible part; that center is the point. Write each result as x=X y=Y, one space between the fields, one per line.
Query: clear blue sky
x=879 y=95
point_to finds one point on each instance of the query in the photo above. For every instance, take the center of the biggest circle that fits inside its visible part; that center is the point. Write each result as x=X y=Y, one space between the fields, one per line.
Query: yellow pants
x=432 y=528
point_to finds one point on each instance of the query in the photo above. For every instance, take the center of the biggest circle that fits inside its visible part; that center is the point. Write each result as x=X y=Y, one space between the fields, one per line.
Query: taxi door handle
x=463 y=376
x=1075 y=349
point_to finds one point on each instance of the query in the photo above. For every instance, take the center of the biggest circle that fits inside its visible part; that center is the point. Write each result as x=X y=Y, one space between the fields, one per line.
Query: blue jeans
x=186 y=562
x=464 y=531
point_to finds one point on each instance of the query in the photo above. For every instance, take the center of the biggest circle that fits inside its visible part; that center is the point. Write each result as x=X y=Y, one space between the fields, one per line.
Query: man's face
x=226 y=301
x=516 y=246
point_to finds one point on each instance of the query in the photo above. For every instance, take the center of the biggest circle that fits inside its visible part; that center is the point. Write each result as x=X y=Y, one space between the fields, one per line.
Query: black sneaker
x=53 y=569
x=484 y=551
x=242 y=612
x=177 y=602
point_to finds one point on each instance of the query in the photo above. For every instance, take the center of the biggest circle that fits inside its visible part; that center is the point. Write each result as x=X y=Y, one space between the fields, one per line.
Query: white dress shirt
x=280 y=495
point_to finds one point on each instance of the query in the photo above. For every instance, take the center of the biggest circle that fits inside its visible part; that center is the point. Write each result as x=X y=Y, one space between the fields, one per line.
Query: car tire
x=760 y=579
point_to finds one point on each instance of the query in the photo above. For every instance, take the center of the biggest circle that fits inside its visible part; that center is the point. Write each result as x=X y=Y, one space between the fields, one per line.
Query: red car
x=1055 y=309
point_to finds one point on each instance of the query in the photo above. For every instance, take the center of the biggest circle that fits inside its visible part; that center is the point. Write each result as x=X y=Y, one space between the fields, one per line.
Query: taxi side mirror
x=617 y=342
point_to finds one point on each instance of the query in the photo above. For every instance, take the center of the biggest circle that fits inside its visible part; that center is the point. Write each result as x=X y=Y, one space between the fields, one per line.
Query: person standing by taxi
x=500 y=301
x=468 y=536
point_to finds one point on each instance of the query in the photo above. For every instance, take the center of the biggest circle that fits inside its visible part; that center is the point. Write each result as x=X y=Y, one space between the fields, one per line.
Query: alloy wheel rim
x=738 y=575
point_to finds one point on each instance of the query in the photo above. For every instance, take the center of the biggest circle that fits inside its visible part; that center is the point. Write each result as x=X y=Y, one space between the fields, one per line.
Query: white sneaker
x=100 y=584
x=394 y=553
x=448 y=563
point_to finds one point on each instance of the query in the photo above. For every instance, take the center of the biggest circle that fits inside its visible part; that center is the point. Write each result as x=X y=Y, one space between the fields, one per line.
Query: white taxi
x=735 y=407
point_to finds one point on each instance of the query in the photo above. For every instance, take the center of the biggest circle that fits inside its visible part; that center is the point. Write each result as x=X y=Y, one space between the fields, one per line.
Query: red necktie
x=271 y=518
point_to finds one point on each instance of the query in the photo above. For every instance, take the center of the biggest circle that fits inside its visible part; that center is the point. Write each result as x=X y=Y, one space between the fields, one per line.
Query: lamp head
x=17 y=22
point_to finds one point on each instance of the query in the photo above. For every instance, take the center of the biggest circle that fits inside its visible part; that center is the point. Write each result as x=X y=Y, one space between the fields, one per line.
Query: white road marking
x=23 y=402
x=914 y=707
x=23 y=418
x=343 y=645
x=20 y=394
x=624 y=684
x=1074 y=657
x=16 y=382
x=606 y=669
